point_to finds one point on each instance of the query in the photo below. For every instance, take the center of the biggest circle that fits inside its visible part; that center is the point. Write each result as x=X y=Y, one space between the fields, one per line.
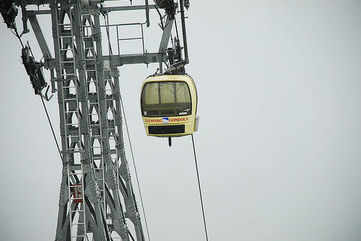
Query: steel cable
x=42 y=101
x=135 y=168
x=200 y=190
x=51 y=127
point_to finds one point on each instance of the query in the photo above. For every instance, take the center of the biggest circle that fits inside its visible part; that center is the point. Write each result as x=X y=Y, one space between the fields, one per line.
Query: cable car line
x=135 y=167
x=176 y=28
x=51 y=127
x=106 y=19
x=42 y=100
x=200 y=190
x=161 y=18
x=18 y=36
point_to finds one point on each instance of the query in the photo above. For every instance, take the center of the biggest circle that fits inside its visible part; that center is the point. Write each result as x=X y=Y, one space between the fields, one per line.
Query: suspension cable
x=200 y=190
x=17 y=35
x=42 y=101
x=176 y=27
x=51 y=127
x=160 y=16
x=54 y=136
x=135 y=167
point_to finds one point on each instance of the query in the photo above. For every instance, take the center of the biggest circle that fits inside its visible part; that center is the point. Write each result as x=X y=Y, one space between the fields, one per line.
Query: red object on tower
x=76 y=191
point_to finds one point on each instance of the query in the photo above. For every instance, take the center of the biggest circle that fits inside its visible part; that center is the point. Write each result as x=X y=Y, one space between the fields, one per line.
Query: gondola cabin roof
x=169 y=105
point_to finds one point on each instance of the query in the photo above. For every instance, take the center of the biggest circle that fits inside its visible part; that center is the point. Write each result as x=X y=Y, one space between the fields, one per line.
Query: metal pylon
x=96 y=199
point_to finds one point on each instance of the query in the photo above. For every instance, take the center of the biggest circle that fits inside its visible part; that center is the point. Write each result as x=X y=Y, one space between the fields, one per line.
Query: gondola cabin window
x=166 y=99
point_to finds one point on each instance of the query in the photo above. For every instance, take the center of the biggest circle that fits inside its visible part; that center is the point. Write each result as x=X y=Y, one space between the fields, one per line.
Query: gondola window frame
x=189 y=100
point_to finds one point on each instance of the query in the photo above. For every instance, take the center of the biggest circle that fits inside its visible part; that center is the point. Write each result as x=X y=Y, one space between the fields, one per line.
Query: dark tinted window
x=166 y=99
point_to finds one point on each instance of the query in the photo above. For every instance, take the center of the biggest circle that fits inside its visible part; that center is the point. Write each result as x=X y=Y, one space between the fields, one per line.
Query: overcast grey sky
x=279 y=138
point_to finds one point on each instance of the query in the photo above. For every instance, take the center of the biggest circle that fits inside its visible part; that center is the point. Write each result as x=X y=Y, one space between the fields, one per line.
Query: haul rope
x=200 y=190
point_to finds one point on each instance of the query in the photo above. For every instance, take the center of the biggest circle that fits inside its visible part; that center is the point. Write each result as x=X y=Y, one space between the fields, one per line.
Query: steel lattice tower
x=93 y=179
x=97 y=200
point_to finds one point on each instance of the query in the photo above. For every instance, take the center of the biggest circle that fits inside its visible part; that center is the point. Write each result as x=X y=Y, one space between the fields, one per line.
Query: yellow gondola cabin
x=169 y=105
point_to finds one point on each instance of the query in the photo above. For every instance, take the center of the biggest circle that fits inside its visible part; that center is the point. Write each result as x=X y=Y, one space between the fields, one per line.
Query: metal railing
x=117 y=29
